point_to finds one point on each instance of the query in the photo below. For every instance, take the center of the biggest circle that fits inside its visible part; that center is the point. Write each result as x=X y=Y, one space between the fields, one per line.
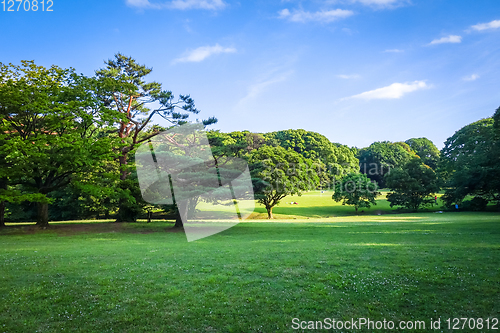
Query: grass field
x=254 y=277
x=317 y=204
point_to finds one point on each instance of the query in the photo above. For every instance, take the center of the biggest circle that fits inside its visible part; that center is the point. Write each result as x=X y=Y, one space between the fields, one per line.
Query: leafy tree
x=426 y=150
x=380 y=158
x=234 y=144
x=278 y=172
x=470 y=162
x=337 y=159
x=138 y=102
x=356 y=189
x=49 y=120
x=413 y=184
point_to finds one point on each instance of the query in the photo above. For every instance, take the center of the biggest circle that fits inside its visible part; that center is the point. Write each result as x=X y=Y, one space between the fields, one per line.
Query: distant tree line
x=67 y=144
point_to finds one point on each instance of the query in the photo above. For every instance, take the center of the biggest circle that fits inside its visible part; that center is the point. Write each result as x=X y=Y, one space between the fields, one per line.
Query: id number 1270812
x=27 y=5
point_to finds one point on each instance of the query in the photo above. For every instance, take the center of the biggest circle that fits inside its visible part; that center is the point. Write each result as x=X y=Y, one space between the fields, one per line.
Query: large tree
x=470 y=161
x=139 y=101
x=413 y=185
x=278 y=172
x=380 y=158
x=338 y=160
x=356 y=189
x=50 y=118
x=426 y=150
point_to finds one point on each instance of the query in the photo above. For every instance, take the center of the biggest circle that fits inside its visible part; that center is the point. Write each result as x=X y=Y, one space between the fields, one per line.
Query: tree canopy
x=338 y=159
x=426 y=150
x=50 y=120
x=357 y=190
x=278 y=172
x=379 y=158
x=470 y=162
x=412 y=184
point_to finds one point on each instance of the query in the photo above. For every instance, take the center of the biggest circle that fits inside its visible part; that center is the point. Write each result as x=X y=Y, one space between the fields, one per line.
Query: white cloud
x=178 y=4
x=487 y=26
x=203 y=52
x=472 y=77
x=394 y=51
x=256 y=89
x=324 y=16
x=377 y=2
x=198 y=4
x=394 y=91
x=449 y=39
x=382 y=3
x=139 y=3
x=352 y=76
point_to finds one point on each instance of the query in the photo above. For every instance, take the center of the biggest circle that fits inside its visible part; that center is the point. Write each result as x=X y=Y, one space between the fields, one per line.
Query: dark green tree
x=337 y=160
x=356 y=189
x=50 y=117
x=138 y=101
x=426 y=150
x=470 y=162
x=413 y=185
x=278 y=172
x=379 y=158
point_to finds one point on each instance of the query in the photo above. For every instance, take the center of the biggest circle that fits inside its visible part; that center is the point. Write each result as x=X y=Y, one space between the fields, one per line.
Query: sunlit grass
x=254 y=277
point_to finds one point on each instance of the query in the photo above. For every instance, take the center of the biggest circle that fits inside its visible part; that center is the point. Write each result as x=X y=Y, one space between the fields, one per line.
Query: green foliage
x=138 y=101
x=471 y=162
x=278 y=172
x=379 y=158
x=357 y=190
x=50 y=120
x=234 y=144
x=413 y=185
x=426 y=150
x=475 y=204
x=338 y=160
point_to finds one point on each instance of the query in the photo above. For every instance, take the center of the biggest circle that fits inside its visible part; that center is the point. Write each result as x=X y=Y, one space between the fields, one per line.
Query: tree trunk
x=178 y=221
x=2 y=214
x=125 y=214
x=3 y=186
x=269 y=213
x=43 y=214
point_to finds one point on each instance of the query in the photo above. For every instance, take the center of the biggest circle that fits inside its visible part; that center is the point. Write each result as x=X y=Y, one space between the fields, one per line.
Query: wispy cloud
x=381 y=3
x=324 y=16
x=449 y=39
x=198 y=4
x=177 y=4
x=203 y=52
x=351 y=76
x=258 y=88
x=394 y=51
x=487 y=26
x=472 y=77
x=394 y=91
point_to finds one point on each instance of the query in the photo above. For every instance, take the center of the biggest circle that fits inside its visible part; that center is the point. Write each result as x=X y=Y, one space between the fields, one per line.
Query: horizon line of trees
x=67 y=146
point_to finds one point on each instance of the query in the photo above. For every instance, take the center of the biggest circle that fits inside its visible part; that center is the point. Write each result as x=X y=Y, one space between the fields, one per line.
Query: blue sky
x=357 y=71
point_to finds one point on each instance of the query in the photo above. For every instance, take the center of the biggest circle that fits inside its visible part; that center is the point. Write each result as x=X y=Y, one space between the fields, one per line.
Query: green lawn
x=315 y=204
x=254 y=277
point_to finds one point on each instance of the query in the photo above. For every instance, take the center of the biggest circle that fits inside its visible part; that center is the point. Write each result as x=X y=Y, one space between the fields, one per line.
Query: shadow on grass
x=82 y=227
